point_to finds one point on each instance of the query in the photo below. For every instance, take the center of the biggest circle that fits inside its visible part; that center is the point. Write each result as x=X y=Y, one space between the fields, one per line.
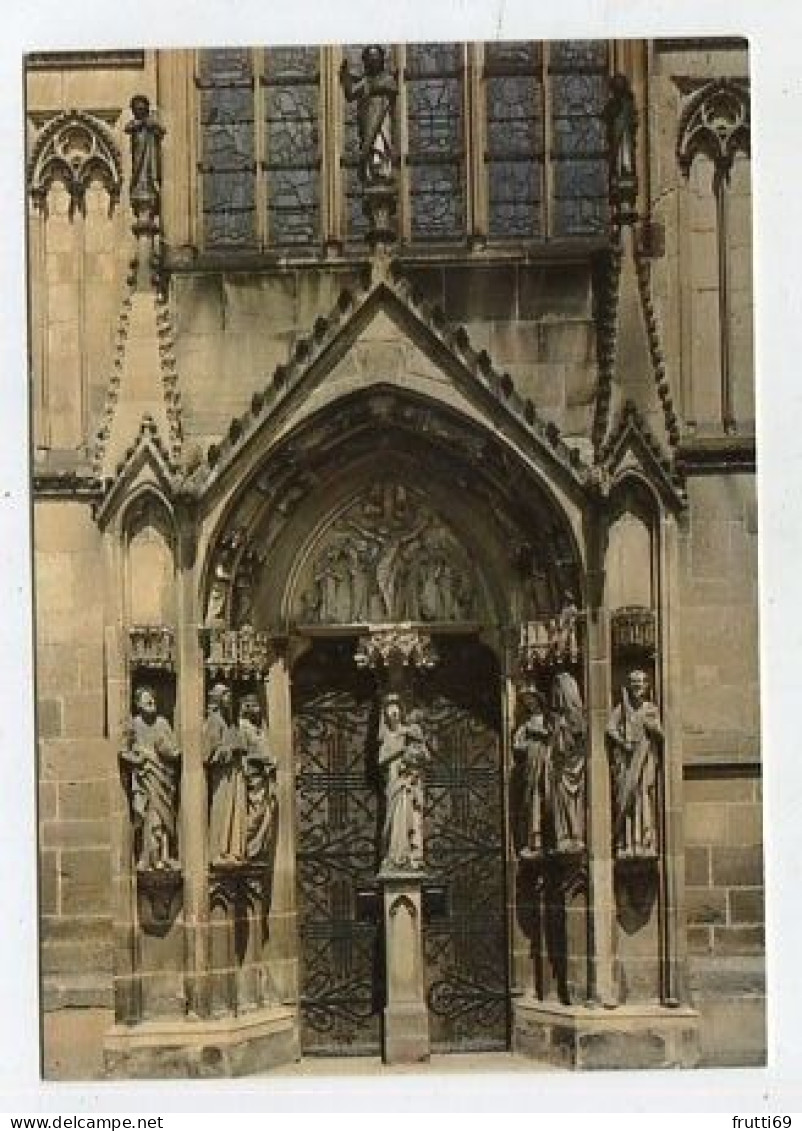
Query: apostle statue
x=375 y=93
x=260 y=780
x=224 y=752
x=635 y=745
x=146 y=137
x=152 y=760
x=403 y=754
x=567 y=758
x=529 y=785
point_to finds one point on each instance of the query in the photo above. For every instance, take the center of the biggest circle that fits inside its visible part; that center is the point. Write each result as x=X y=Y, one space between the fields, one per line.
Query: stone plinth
x=637 y=1036
x=406 y=1019
x=232 y=1046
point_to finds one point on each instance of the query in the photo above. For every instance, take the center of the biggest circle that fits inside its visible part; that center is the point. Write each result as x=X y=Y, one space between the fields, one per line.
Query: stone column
x=189 y=711
x=394 y=653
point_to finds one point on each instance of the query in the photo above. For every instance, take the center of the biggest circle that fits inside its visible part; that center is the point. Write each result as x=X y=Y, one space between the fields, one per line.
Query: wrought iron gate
x=465 y=939
x=337 y=803
x=338 y=790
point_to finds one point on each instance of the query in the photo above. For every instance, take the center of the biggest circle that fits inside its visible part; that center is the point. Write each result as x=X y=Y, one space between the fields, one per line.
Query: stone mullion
x=402 y=149
x=547 y=182
x=176 y=99
x=193 y=814
x=39 y=286
x=476 y=134
x=331 y=147
x=259 y=65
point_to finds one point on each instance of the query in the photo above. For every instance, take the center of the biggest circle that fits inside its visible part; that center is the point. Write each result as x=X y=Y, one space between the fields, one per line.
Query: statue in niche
x=635 y=745
x=146 y=137
x=375 y=93
x=260 y=779
x=224 y=755
x=152 y=758
x=530 y=751
x=403 y=754
x=567 y=757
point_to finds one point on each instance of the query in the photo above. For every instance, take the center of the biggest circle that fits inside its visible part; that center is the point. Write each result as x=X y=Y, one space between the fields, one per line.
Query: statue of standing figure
x=375 y=93
x=635 y=746
x=146 y=137
x=225 y=751
x=152 y=759
x=621 y=116
x=260 y=780
x=403 y=754
x=547 y=784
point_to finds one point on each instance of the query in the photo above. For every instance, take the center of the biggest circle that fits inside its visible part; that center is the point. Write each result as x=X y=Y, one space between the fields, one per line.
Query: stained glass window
x=514 y=156
x=227 y=167
x=436 y=152
x=578 y=82
x=292 y=147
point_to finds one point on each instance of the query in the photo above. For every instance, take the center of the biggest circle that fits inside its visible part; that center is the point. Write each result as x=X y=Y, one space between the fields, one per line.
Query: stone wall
x=74 y=758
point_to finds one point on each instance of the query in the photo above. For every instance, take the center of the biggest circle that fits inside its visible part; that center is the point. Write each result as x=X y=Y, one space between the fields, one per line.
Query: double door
x=340 y=792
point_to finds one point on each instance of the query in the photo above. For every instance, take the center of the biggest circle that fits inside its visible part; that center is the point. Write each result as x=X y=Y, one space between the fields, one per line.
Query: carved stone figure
x=225 y=753
x=152 y=759
x=530 y=777
x=567 y=758
x=635 y=744
x=260 y=779
x=146 y=137
x=403 y=753
x=622 y=126
x=375 y=94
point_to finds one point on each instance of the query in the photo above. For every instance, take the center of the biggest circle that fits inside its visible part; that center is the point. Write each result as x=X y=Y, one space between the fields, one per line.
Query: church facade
x=396 y=554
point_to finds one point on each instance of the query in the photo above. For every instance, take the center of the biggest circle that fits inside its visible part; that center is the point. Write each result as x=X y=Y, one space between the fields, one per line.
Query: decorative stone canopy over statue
x=151 y=760
x=635 y=745
x=146 y=137
x=403 y=754
x=550 y=755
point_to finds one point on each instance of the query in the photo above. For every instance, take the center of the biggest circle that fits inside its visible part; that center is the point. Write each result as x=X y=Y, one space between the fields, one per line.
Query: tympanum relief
x=388 y=557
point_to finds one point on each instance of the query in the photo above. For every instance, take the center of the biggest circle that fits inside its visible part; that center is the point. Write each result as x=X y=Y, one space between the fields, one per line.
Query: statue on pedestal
x=260 y=780
x=225 y=753
x=568 y=755
x=152 y=759
x=621 y=116
x=375 y=93
x=403 y=753
x=635 y=745
x=530 y=776
x=146 y=137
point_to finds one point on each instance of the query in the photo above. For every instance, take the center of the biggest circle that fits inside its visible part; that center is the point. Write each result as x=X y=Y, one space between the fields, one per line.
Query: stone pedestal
x=406 y=1019
x=637 y=1036
x=231 y=1046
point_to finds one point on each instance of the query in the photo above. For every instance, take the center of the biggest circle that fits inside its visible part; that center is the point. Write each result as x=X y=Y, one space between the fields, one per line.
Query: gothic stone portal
x=340 y=816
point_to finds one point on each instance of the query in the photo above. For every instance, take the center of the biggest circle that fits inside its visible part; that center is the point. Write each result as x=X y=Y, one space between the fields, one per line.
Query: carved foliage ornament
x=716 y=121
x=75 y=148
